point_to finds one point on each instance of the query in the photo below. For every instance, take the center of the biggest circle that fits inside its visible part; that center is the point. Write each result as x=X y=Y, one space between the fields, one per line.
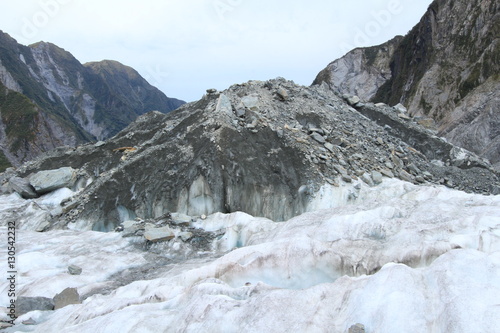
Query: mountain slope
x=48 y=99
x=362 y=71
x=447 y=68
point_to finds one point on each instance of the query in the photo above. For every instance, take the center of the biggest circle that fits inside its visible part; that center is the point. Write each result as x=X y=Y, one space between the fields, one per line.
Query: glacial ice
x=400 y=258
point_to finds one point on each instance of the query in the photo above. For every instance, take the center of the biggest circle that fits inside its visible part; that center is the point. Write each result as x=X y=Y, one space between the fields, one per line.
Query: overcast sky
x=186 y=46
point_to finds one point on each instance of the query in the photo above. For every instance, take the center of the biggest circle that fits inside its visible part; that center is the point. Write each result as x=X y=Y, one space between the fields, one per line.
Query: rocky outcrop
x=50 y=180
x=49 y=99
x=249 y=149
x=66 y=297
x=28 y=304
x=446 y=68
x=362 y=71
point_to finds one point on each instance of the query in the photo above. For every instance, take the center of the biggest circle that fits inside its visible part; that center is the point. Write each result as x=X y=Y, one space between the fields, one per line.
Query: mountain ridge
x=65 y=102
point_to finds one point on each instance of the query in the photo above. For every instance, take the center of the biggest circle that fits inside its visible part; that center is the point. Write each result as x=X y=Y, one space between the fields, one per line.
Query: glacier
x=395 y=258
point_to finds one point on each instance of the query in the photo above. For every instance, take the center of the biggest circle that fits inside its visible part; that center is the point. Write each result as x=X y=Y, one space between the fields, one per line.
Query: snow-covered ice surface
x=402 y=258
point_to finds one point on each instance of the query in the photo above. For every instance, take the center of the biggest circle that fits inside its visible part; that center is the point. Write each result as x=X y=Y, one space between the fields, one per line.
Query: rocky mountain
x=445 y=68
x=264 y=194
x=49 y=99
x=265 y=148
x=362 y=71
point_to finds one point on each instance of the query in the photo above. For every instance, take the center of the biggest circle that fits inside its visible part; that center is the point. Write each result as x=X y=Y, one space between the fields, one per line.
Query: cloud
x=184 y=47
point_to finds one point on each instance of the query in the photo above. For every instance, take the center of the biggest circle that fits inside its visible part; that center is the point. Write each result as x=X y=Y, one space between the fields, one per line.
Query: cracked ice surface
x=403 y=258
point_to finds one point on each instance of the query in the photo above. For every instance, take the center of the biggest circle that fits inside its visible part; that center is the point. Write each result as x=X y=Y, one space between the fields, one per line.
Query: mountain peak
x=65 y=102
x=112 y=67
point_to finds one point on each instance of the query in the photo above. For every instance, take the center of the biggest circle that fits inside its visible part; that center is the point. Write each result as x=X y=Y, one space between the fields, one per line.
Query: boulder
x=400 y=108
x=353 y=100
x=185 y=236
x=29 y=322
x=367 y=178
x=99 y=144
x=318 y=137
x=159 y=234
x=22 y=187
x=357 y=328
x=251 y=102
x=28 y=304
x=131 y=228
x=67 y=297
x=240 y=110
x=330 y=147
x=406 y=176
x=224 y=105
x=74 y=270
x=376 y=177
x=387 y=173
x=283 y=94
x=51 y=180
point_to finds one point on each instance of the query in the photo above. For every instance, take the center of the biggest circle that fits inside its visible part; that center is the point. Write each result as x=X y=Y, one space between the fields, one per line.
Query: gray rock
x=185 y=236
x=29 y=322
x=22 y=187
x=211 y=91
x=400 y=108
x=224 y=105
x=420 y=179
x=251 y=102
x=131 y=228
x=181 y=219
x=159 y=234
x=330 y=147
x=99 y=144
x=406 y=176
x=387 y=173
x=74 y=270
x=240 y=110
x=67 y=297
x=414 y=169
x=5 y=190
x=397 y=161
x=283 y=94
x=495 y=189
x=28 y=304
x=318 y=137
x=358 y=328
x=51 y=180
x=346 y=178
x=377 y=177
x=367 y=178
x=353 y=100
x=427 y=175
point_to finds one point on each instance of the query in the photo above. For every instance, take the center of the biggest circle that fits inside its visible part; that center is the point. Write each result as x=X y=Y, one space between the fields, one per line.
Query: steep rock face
x=271 y=149
x=48 y=99
x=447 y=68
x=362 y=71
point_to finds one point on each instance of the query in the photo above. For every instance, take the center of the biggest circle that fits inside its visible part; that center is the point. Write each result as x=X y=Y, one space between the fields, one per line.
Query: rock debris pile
x=265 y=148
